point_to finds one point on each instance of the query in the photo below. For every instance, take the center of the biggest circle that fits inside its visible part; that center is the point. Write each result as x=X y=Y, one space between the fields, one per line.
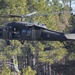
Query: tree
x=35 y=50
x=6 y=70
x=29 y=71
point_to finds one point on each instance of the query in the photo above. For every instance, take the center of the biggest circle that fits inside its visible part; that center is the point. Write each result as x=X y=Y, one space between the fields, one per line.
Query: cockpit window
x=29 y=32
x=24 y=30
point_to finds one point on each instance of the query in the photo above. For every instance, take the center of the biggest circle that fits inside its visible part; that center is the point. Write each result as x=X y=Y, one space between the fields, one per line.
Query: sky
x=73 y=7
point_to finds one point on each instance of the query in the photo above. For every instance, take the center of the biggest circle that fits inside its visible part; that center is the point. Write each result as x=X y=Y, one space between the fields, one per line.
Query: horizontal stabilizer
x=70 y=36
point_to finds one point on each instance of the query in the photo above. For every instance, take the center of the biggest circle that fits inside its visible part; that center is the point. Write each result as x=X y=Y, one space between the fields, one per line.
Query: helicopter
x=31 y=31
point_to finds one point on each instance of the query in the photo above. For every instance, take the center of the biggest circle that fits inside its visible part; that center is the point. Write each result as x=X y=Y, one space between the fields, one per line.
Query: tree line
x=35 y=57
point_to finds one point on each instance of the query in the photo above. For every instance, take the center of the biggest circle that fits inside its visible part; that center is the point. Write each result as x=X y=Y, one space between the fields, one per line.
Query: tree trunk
x=50 y=69
x=70 y=3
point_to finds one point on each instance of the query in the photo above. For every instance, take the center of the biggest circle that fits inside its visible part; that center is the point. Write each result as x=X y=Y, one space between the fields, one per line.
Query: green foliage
x=52 y=21
x=72 y=56
x=45 y=57
x=12 y=50
x=52 y=55
x=59 y=54
x=29 y=71
x=32 y=48
x=6 y=70
x=13 y=7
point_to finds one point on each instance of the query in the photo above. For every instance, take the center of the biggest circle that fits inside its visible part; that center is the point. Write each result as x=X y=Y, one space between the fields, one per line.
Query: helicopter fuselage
x=32 y=32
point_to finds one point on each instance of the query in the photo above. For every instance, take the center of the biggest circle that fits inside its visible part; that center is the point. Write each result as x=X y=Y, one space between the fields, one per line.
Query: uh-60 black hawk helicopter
x=31 y=31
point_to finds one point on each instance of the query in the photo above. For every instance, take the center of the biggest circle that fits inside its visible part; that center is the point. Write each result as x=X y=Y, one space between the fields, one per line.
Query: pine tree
x=29 y=71
x=52 y=21
x=6 y=71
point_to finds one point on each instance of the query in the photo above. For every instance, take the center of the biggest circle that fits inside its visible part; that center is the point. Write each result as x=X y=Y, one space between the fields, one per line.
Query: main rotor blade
x=54 y=13
x=18 y=16
x=10 y=16
x=23 y=16
x=30 y=14
x=4 y=16
x=33 y=14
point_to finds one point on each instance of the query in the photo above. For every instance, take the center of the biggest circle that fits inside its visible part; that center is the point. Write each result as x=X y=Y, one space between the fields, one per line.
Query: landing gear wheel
x=22 y=42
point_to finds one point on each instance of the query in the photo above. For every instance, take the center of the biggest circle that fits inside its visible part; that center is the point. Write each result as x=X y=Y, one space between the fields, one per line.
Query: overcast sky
x=73 y=7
